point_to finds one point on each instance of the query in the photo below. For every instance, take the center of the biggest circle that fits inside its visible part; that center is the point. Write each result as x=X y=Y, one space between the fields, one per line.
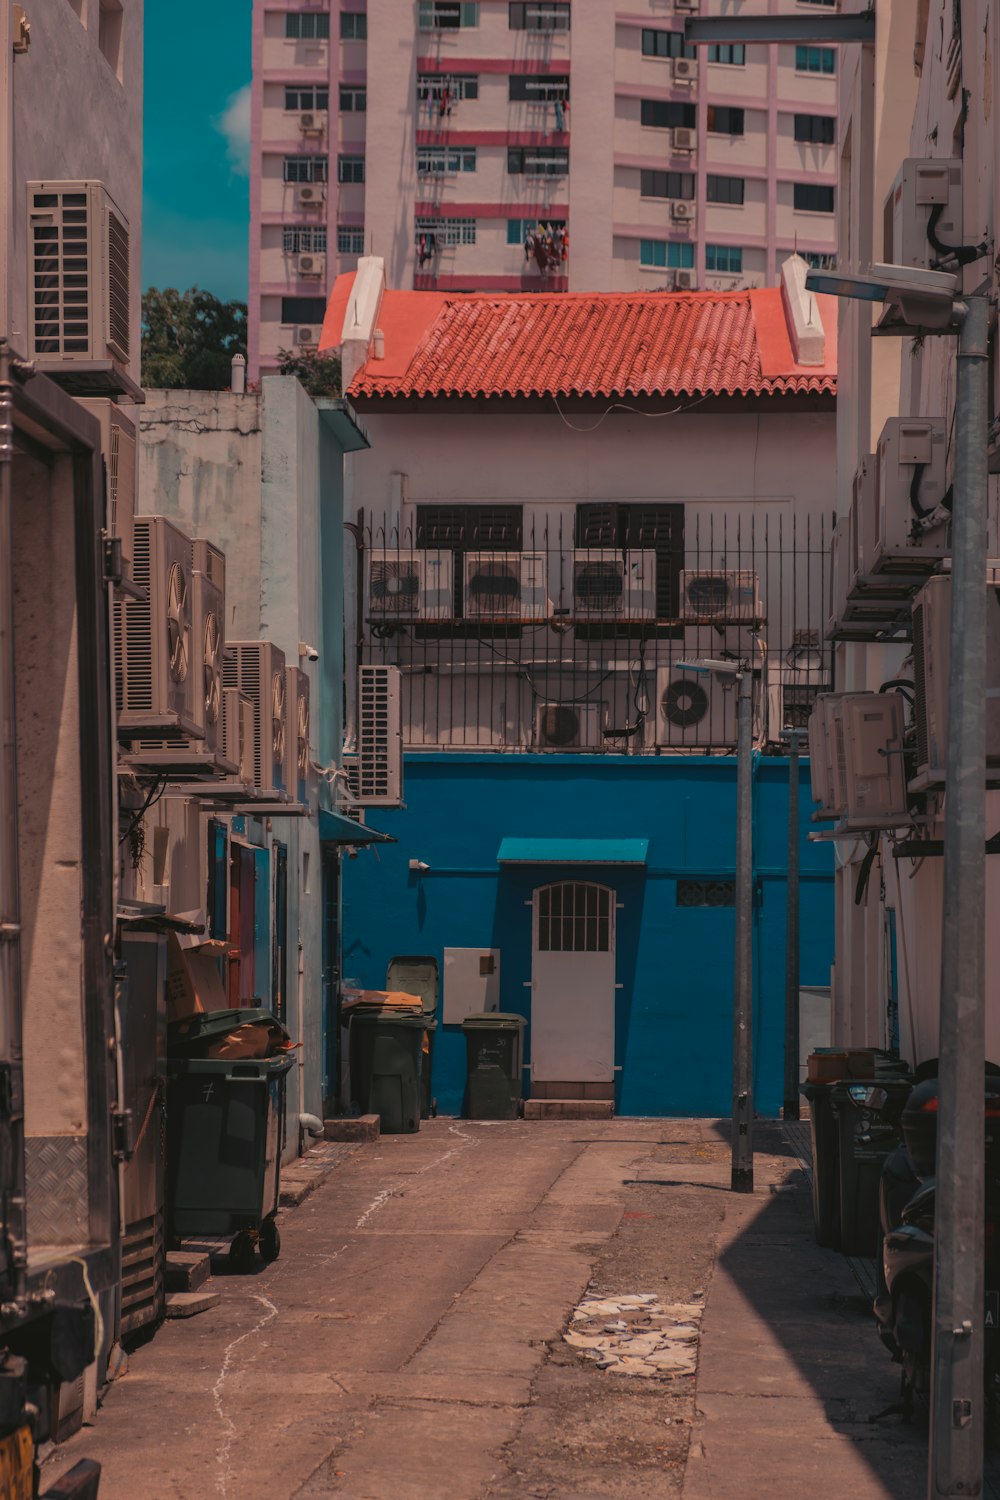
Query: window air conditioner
x=682 y=208
x=305 y=336
x=311 y=267
x=154 y=654
x=297 y=756
x=685 y=70
x=410 y=584
x=79 y=286
x=868 y=744
x=683 y=138
x=931 y=658
x=685 y=281
x=378 y=770
x=310 y=194
x=910 y=531
x=695 y=708
x=926 y=198
x=312 y=122
x=791 y=695
x=568 y=726
x=118 y=447
x=505 y=586
x=719 y=597
x=609 y=584
x=257 y=669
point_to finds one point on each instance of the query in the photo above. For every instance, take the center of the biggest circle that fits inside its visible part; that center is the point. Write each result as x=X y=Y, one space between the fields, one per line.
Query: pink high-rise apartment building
x=516 y=145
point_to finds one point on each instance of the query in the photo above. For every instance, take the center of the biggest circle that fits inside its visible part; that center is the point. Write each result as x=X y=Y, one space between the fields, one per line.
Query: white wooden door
x=573 y=983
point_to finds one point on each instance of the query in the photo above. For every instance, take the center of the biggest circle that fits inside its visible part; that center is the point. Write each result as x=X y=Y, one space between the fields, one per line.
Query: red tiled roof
x=603 y=345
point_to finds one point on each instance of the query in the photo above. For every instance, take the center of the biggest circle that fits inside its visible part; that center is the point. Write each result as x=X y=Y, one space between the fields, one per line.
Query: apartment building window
x=307 y=96
x=538 y=161
x=353 y=101
x=304 y=239
x=353 y=26
x=350 y=169
x=440 y=87
x=724 y=120
x=519 y=229
x=447 y=233
x=666 y=255
x=538 y=88
x=734 y=54
x=303 y=309
x=656 y=527
x=539 y=15
x=447 y=15
x=666 y=114
x=307 y=25
x=815 y=60
x=813 y=197
x=305 y=168
x=658 y=43
x=728 y=258
x=821 y=130
x=724 y=189
x=666 y=184
x=445 y=161
x=350 y=239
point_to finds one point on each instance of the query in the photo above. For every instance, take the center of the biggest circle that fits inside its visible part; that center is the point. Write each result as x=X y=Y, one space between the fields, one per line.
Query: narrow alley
x=408 y=1342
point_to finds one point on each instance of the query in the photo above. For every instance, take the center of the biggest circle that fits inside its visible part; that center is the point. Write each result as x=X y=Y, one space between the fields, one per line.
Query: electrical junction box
x=923 y=187
x=471 y=983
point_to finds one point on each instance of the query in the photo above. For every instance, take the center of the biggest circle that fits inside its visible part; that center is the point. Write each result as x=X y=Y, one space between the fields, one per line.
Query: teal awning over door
x=334 y=828
x=573 y=852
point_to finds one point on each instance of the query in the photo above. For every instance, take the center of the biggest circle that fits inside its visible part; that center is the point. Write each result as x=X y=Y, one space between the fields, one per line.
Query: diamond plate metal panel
x=56 y=1174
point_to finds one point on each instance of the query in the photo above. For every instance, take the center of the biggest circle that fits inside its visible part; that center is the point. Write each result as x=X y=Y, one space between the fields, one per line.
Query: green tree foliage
x=319 y=373
x=189 y=339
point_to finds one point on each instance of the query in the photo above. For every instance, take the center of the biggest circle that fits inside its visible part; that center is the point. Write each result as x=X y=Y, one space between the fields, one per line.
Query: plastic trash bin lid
x=415 y=975
x=388 y=1018
x=215 y=1023
x=496 y=1020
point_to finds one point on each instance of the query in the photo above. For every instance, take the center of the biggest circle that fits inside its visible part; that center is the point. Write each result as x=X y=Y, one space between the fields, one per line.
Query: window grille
x=447 y=232
x=350 y=240
x=350 y=169
x=304 y=239
x=574 y=918
x=445 y=161
x=538 y=88
x=353 y=101
x=435 y=87
x=706 y=893
x=305 y=168
x=538 y=161
x=539 y=15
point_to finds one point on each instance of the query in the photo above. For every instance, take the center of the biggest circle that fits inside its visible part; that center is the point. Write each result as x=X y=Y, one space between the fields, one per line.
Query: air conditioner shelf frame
x=183 y=764
x=889 y=586
x=935 y=779
x=136 y=725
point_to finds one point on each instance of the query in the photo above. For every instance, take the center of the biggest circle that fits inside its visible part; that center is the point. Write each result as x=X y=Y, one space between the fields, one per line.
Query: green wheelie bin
x=386 y=1051
x=418 y=974
x=494 y=1043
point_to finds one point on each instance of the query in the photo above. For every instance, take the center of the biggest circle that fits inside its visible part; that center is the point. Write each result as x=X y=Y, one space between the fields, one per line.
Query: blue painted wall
x=674 y=964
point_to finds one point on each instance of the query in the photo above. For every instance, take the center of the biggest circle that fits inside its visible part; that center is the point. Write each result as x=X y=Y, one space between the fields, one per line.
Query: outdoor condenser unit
x=925 y=202
x=377 y=771
x=909 y=531
x=410 y=584
x=610 y=584
x=297 y=755
x=154 y=668
x=868 y=731
x=722 y=596
x=118 y=446
x=695 y=709
x=79 y=275
x=825 y=789
x=257 y=669
x=505 y=586
x=568 y=726
x=208 y=619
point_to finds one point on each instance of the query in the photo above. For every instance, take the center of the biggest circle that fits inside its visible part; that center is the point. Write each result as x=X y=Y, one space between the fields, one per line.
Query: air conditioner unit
x=910 y=531
x=311 y=267
x=154 y=654
x=411 y=584
x=312 y=122
x=683 y=209
x=836 y=578
x=931 y=658
x=118 y=446
x=310 y=194
x=862 y=519
x=791 y=696
x=257 y=669
x=297 y=756
x=379 y=769
x=695 y=708
x=609 y=584
x=685 y=281
x=826 y=777
x=568 y=726
x=79 y=277
x=505 y=586
x=305 y=337
x=868 y=736
x=685 y=70
x=925 y=190
x=719 y=596
x=237 y=733
x=683 y=138
x=208 y=639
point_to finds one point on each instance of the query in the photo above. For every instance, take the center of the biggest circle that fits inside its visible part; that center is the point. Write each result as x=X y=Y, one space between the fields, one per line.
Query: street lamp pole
x=956 y=1447
x=742 y=1168
x=790 y=1109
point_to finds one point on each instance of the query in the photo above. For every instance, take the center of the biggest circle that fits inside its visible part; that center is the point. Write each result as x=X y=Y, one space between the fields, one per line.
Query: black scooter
x=905 y=1265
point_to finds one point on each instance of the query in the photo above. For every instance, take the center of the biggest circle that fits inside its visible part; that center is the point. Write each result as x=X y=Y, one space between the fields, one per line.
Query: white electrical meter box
x=471 y=983
x=925 y=203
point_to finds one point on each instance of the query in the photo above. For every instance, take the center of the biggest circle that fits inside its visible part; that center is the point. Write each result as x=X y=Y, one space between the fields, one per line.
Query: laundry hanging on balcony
x=548 y=246
x=426 y=247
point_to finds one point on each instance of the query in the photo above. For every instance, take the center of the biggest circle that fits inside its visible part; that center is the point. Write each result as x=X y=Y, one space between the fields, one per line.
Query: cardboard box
x=193 y=982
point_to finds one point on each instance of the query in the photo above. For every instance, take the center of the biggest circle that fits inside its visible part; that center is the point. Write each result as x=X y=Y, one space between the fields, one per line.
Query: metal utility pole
x=956 y=1439
x=790 y=1108
x=742 y=1176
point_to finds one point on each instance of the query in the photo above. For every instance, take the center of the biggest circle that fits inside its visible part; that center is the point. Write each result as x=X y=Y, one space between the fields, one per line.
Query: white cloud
x=234 y=125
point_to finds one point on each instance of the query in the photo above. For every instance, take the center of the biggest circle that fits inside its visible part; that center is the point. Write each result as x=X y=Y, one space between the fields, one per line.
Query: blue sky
x=196 y=203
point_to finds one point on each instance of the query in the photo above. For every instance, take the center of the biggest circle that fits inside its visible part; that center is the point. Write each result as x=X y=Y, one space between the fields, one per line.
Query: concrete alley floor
x=408 y=1343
